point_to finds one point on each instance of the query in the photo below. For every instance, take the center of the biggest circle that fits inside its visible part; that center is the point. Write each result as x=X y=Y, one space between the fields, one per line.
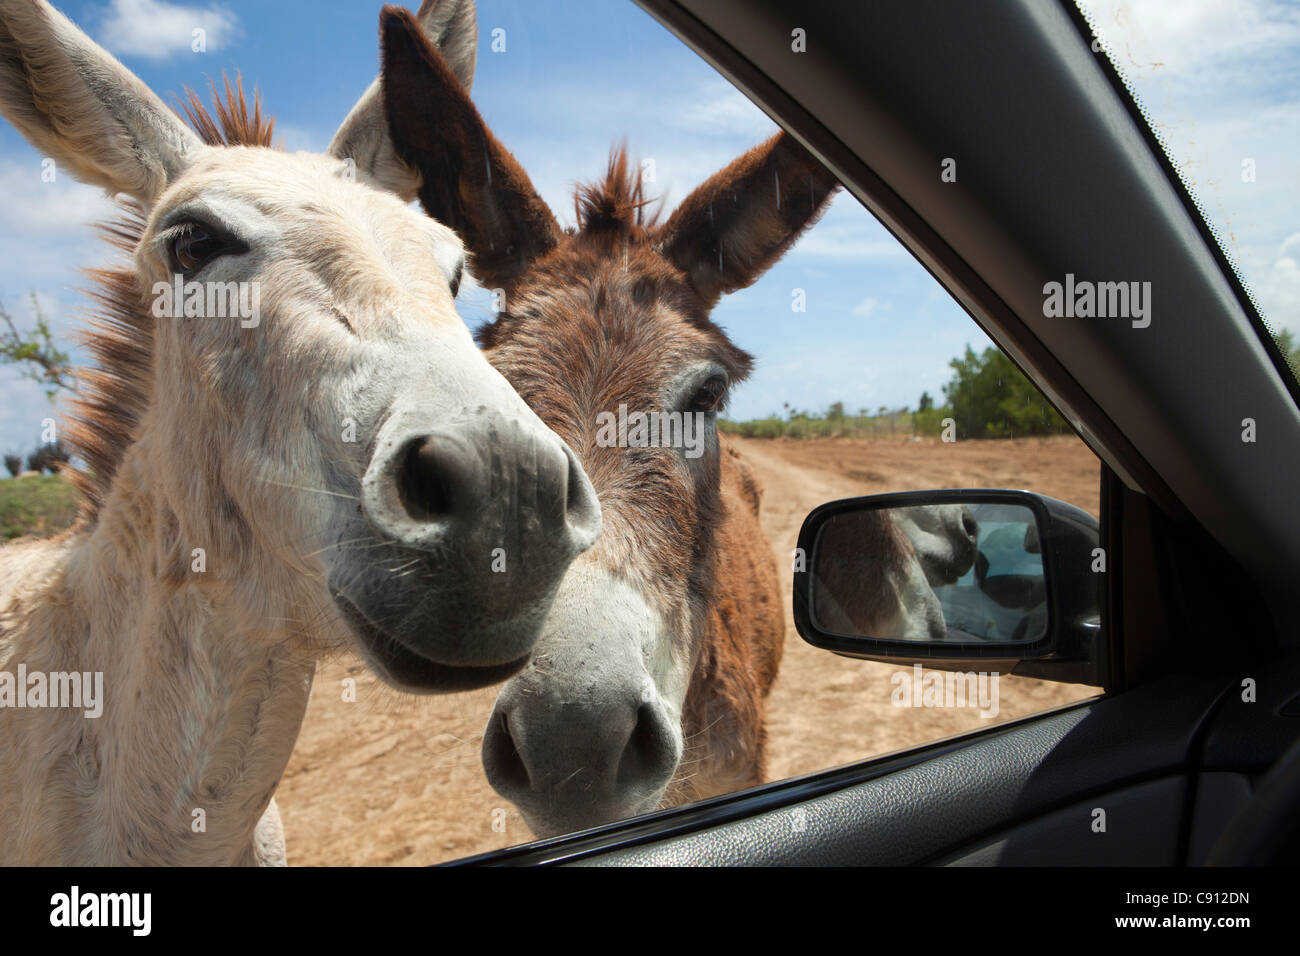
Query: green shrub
x=990 y=398
x=40 y=505
x=987 y=397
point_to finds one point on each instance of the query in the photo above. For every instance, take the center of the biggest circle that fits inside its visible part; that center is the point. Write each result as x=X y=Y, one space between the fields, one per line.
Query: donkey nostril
x=648 y=754
x=582 y=509
x=421 y=484
x=507 y=767
x=575 y=500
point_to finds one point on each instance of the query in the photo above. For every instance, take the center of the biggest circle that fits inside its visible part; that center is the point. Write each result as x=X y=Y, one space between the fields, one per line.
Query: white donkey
x=342 y=468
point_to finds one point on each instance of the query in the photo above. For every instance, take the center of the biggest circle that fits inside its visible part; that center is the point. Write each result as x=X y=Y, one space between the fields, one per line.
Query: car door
x=1192 y=410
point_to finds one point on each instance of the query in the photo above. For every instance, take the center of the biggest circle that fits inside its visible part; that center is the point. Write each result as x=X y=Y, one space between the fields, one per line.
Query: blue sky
x=1219 y=79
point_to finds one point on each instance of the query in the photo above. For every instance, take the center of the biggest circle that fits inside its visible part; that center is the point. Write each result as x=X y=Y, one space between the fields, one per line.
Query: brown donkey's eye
x=709 y=396
x=195 y=245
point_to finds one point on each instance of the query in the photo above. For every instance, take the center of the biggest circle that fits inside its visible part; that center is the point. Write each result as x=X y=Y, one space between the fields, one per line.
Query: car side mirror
x=944 y=578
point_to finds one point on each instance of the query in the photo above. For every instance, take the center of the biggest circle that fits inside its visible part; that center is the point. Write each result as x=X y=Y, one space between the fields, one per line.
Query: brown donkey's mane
x=114 y=393
x=614 y=215
x=616 y=206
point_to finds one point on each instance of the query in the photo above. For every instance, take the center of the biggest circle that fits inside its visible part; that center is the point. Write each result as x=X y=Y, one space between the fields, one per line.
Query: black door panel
x=1219 y=797
x=1133 y=749
x=1250 y=735
x=1142 y=824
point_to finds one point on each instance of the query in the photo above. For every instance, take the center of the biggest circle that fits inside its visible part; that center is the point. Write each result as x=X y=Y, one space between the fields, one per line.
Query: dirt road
x=392 y=779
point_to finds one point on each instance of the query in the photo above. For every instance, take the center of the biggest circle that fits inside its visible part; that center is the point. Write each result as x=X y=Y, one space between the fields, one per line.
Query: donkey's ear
x=730 y=230
x=452 y=27
x=468 y=181
x=79 y=106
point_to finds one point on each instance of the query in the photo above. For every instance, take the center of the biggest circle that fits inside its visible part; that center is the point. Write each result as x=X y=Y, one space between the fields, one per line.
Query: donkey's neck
x=200 y=707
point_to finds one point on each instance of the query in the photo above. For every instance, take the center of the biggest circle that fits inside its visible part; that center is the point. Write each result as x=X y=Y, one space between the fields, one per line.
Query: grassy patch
x=38 y=505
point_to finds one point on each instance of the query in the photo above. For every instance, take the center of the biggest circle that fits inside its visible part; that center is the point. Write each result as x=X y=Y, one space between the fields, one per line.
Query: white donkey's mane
x=114 y=393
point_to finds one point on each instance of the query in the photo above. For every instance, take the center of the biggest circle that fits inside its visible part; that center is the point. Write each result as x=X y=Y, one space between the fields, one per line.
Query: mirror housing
x=1066 y=648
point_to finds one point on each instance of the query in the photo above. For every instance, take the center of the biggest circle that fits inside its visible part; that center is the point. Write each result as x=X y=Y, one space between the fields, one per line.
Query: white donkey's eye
x=192 y=245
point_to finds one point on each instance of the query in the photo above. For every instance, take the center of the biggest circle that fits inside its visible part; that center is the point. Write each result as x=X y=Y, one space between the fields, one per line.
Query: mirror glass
x=959 y=573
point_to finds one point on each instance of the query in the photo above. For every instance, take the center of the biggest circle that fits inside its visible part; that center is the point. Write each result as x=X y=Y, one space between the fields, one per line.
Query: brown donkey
x=665 y=638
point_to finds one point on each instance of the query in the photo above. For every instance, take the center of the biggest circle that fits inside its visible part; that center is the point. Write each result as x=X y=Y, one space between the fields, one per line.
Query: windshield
x=1219 y=84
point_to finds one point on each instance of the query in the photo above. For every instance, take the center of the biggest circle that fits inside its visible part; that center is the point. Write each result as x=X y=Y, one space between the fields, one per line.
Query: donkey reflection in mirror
x=337 y=474
x=874 y=570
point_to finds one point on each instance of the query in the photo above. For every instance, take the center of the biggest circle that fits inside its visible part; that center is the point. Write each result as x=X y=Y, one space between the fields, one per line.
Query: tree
x=989 y=397
x=51 y=458
x=835 y=417
x=56 y=456
x=15 y=465
x=925 y=403
x=1289 y=348
x=35 y=352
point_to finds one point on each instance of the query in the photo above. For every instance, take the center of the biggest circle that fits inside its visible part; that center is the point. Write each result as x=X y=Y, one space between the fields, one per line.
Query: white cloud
x=1188 y=37
x=24 y=404
x=866 y=307
x=847 y=242
x=689 y=129
x=23 y=408
x=156 y=30
x=1278 y=292
x=296 y=139
x=720 y=109
x=30 y=205
x=555 y=165
x=45 y=236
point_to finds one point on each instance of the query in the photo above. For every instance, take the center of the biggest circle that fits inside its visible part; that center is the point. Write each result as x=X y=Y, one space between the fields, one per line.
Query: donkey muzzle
x=474 y=522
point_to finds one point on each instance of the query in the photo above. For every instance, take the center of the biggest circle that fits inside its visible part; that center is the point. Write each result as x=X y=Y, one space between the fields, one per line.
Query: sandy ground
x=393 y=779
